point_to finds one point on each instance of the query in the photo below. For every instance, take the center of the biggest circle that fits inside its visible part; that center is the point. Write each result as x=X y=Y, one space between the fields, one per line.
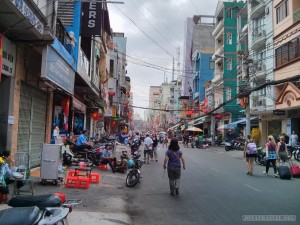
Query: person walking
x=281 y=150
x=200 y=139
x=271 y=155
x=250 y=152
x=147 y=148
x=293 y=139
x=173 y=159
x=155 y=145
x=165 y=143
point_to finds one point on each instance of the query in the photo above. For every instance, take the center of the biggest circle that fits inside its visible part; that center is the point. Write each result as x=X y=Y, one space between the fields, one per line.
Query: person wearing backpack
x=271 y=155
x=250 y=152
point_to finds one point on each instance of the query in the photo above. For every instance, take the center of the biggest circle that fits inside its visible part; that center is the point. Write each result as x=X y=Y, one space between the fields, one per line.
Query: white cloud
x=168 y=17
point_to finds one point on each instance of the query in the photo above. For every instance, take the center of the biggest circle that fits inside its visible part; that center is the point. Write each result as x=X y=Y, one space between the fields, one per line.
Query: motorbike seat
x=20 y=215
x=41 y=201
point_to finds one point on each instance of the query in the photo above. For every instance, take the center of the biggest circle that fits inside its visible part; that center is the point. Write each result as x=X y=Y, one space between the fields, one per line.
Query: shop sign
x=279 y=112
x=29 y=14
x=57 y=70
x=91 y=19
x=271 y=117
x=8 y=57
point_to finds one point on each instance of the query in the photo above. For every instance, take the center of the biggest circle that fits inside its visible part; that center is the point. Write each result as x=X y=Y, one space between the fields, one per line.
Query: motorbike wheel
x=132 y=178
x=227 y=148
x=259 y=160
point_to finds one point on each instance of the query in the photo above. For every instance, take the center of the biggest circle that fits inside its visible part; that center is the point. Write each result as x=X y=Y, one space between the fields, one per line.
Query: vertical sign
x=91 y=19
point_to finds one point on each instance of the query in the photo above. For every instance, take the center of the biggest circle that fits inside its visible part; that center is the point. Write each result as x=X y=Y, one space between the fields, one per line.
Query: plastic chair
x=83 y=182
x=72 y=181
x=94 y=178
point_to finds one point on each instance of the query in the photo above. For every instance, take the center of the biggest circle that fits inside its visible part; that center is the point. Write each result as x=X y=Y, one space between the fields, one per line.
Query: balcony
x=261 y=72
x=218 y=27
x=220 y=50
x=243 y=34
x=259 y=103
x=296 y=15
x=64 y=37
x=84 y=66
x=257 y=9
x=218 y=77
x=258 y=38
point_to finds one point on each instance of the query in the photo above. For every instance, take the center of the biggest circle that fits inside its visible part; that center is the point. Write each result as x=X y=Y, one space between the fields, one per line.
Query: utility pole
x=246 y=62
x=213 y=122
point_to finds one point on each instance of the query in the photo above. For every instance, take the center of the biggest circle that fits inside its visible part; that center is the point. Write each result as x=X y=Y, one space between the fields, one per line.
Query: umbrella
x=196 y=129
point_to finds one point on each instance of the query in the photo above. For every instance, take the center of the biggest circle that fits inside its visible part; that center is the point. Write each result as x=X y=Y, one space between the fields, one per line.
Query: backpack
x=251 y=148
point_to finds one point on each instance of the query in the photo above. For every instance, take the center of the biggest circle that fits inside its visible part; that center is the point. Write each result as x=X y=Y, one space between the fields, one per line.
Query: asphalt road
x=214 y=190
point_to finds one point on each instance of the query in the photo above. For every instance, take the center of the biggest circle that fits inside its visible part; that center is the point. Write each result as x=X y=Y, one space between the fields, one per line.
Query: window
x=211 y=64
x=292 y=49
x=111 y=66
x=229 y=38
x=278 y=57
x=287 y=52
x=228 y=64
x=282 y=11
x=284 y=54
x=228 y=13
x=228 y=93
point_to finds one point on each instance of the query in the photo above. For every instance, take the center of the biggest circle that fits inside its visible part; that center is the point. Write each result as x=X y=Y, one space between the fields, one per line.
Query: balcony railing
x=257 y=9
x=63 y=36
x=218 y=27
x=296 y=15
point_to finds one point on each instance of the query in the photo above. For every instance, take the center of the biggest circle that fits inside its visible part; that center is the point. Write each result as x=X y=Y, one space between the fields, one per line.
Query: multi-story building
x=53 y=72
x=154 y=103
x=286 y=45
x=225 y=73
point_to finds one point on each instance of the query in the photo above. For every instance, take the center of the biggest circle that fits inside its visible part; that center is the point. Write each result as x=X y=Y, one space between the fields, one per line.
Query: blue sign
x=55 y=69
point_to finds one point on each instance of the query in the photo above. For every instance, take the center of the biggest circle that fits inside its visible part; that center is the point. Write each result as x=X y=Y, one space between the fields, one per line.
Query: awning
x=174 y=127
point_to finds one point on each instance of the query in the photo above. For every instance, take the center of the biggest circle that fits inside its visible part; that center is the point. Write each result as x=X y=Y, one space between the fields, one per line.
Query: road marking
x=253 y=188
x=214 y=169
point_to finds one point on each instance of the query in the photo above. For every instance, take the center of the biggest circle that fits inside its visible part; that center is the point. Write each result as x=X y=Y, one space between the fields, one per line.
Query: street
x=214 y=190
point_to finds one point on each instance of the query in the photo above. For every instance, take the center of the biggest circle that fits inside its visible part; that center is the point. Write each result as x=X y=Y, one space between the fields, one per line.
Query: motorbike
x=37 y=210
x=234 y=145
x=134 y=165
x=260 y=159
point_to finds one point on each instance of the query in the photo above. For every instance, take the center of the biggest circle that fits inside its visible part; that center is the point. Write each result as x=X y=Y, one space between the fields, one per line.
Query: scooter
x=134 y=165
x=233 y=145
x=37 y=210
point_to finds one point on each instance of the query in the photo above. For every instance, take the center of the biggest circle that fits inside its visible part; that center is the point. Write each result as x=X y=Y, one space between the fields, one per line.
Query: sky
x=154 y=31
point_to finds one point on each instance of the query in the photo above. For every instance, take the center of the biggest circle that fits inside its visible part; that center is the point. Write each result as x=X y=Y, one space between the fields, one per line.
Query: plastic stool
x=94 y=178
x=83 y=182
x=102 y=167
x=72 y=182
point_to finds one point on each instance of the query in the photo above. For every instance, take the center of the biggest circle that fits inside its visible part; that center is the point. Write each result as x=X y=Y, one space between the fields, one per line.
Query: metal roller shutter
x=32 y=122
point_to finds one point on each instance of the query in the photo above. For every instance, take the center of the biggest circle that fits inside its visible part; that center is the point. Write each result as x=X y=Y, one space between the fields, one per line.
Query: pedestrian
x=250 y=152
x=166 y=141
x=155 y=145
x=293 y=139
x=271 y=155
x=147 y=148
x=200 y=139
x=281 y=150
x=174 y=159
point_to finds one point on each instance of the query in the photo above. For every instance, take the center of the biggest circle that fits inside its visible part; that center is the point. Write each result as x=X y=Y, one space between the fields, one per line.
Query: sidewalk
x=104 y=203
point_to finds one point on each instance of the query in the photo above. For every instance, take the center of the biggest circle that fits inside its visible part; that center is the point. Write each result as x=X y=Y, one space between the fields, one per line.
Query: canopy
x=196 y=129
x=225 y=127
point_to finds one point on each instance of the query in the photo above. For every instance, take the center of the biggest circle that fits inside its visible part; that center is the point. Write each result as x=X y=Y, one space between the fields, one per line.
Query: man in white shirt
x=147 y=148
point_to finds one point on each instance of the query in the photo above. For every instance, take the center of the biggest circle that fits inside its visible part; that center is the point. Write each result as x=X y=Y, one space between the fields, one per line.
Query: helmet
x=130 y=163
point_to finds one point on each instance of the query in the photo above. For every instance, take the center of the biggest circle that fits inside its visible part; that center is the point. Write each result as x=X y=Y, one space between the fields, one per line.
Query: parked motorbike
x=261 y=156
x=37 y=210
x=134 y=165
